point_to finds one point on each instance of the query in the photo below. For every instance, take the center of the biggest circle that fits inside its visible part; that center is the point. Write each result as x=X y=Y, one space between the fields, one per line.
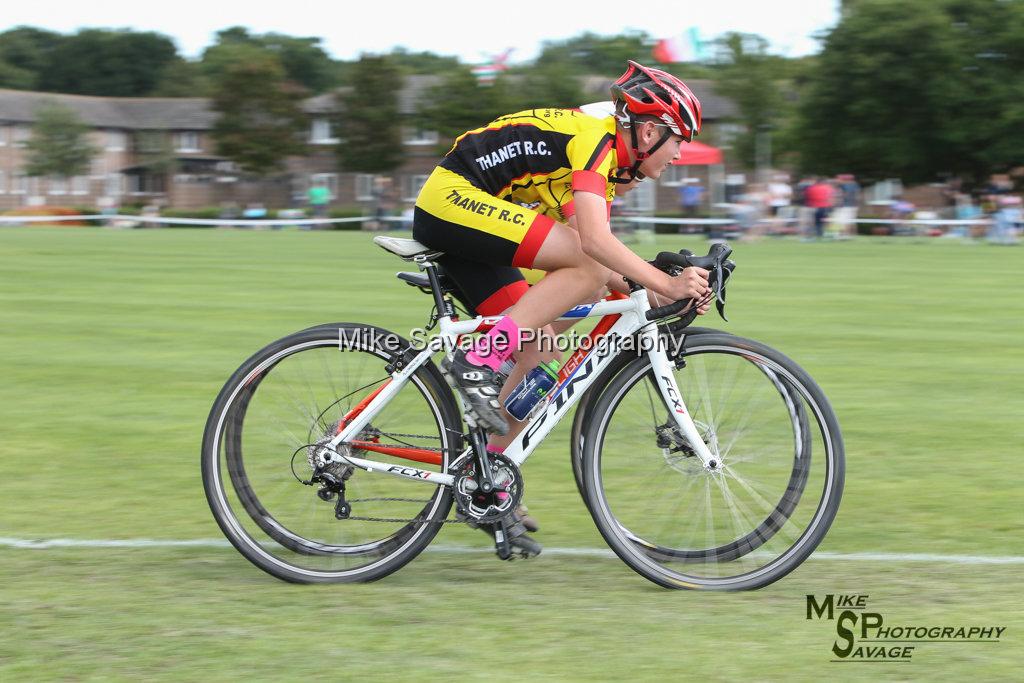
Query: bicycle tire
x=260 y=535
x=657 y=561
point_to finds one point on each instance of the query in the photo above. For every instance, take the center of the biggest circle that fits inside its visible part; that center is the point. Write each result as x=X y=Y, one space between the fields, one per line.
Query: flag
x=487 y=72
x=685 y=48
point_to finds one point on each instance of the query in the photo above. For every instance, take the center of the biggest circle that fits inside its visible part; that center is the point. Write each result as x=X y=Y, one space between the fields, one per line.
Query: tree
x=423 y=62
x=182 y=78
x=107 y=63
x=916 y=89
x=370 y=124
x=303 y=60
x=459 y=103
x=749 y=76
x=549 y=83
x=24 y=51
x=59 y=145
x=16 y=78
x=591 y=53
x=259 y=122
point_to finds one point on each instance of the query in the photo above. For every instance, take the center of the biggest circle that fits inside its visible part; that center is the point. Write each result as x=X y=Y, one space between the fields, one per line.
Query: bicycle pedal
x=501 y=542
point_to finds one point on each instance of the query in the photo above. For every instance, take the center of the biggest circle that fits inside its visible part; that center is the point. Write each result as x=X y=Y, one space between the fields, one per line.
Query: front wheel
x=749 y=521
x=308 y=521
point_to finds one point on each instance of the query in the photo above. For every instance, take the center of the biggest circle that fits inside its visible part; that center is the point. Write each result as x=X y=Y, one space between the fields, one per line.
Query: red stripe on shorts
x=505 y=297
x=535 y=236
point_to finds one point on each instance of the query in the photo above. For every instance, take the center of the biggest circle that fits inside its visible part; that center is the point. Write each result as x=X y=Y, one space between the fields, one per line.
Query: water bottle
x=535 y=386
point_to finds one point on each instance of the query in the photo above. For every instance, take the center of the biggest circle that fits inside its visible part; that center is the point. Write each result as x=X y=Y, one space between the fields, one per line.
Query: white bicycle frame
x=632 y=320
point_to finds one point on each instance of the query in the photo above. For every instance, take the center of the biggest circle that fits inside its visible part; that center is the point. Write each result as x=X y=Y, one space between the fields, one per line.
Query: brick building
x=159 y=150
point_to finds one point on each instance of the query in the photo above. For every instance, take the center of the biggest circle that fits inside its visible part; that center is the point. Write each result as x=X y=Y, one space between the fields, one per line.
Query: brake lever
x=724 y=272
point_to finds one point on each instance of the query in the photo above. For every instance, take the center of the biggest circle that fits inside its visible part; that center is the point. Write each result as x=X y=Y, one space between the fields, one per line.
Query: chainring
x=488 y=508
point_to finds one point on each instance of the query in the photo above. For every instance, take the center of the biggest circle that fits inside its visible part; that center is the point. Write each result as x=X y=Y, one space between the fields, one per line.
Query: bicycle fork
x=662 y=368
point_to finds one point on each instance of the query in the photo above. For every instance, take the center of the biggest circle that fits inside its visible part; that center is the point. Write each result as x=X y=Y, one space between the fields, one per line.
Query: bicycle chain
x=397 y=519
x=404 y=500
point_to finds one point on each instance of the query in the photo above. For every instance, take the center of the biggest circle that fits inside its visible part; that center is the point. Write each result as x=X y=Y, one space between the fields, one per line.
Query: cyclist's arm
x=598 y=242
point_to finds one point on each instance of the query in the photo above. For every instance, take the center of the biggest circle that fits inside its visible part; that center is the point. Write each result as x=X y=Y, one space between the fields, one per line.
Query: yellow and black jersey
x=538 y=158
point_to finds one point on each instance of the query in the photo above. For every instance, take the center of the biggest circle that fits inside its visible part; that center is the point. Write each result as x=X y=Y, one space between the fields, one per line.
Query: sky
x=469 y=30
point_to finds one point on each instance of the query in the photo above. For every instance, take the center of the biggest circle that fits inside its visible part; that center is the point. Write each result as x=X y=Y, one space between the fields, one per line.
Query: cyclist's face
x=654 y=165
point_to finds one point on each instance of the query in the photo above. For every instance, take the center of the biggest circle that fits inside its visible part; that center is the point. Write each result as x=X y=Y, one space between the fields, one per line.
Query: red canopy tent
x=699 y=154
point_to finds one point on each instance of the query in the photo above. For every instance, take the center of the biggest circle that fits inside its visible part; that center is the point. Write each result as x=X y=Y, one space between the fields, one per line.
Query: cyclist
x=557 y=171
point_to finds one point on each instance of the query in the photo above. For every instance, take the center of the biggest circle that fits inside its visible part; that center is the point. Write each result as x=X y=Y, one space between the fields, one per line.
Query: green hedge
x=346 y=212
x=214 y=212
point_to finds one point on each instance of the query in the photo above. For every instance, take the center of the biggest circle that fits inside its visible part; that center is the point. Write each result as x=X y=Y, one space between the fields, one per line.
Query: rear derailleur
x=332 y=475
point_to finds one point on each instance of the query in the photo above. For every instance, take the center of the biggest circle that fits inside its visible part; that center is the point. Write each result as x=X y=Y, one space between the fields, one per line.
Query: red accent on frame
x=360 y=407
x=601 y=329
x=415 y=454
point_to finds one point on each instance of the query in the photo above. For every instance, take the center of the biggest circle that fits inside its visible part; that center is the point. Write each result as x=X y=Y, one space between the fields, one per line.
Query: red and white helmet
x=653 y=92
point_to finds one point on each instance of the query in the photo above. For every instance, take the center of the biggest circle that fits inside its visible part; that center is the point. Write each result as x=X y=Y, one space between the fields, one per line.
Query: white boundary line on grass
x=45 y=544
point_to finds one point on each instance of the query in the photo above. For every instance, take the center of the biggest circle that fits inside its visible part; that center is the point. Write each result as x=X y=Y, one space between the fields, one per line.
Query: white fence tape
x=776 y=221
x=261 y=222
x=191 y=221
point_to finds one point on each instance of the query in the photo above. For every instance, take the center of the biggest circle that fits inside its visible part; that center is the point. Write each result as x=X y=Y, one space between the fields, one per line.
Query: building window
x=3 y=135
x=418 y=136
x=21 y=135
x=3 y=183
x=412 y=185
x=320 y=133
x=114 y=185
x=80 y=185
x=58 y=185
x=187 y=141
x=19 y=183
x=117 y=140
x=330 y=180
x=364 y=187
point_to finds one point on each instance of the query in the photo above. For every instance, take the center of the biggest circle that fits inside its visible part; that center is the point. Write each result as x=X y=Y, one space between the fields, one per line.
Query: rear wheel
x=272 y=495
x=746 y=523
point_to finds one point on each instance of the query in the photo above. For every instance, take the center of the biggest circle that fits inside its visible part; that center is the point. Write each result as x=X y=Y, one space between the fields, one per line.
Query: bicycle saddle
x=404 y=248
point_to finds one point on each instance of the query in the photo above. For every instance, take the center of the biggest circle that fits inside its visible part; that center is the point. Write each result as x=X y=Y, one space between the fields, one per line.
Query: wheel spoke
x=727 y=527
x=287 y=528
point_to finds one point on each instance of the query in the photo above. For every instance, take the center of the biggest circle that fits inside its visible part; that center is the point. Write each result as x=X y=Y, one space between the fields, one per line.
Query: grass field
x=115 y=343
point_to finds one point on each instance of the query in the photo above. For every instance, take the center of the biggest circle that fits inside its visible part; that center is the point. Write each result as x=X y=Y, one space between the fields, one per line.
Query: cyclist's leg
x=462 y=220
x=572 y=277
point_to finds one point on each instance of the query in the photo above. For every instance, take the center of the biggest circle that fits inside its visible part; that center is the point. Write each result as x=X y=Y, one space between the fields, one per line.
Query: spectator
x=901 y=209
x=780 y=194
x=735 y=185
x=108 y=207
x=850 y=189
x=750 y=210
x=965 y=210
x=319 y=197
x=844 y=217
x=1006 y=221
x=691 y=194
x=820 y=197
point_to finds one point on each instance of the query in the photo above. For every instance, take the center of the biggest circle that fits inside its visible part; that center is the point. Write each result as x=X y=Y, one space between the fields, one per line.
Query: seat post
x=444 y=306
